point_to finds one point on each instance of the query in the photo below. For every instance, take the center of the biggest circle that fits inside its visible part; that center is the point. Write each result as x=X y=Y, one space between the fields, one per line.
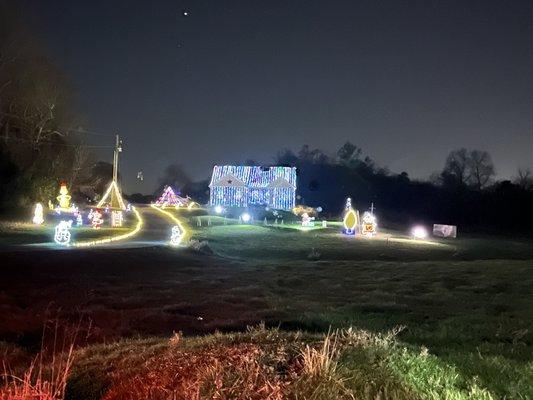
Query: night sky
x=408 y=81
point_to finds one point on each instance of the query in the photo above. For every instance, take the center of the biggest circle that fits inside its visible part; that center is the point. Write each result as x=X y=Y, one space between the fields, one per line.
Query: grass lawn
x=14 y=233
x=466 y=306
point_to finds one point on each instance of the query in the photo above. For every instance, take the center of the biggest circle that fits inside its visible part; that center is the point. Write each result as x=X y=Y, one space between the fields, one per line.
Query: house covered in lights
x=244 y=186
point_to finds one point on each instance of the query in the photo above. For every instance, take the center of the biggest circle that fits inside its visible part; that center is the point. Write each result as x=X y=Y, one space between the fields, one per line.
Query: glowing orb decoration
x=38 y=214
x=64 y=197
x=219 y=209
x=176 y=235
x=62 y=233
x=419 y=232
x=97 y=220
x=245 y=217
x=369 y=224
x=116 y=218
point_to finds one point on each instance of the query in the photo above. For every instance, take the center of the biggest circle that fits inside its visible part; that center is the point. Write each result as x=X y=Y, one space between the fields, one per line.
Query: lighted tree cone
x=170 y=198
x=112 y=197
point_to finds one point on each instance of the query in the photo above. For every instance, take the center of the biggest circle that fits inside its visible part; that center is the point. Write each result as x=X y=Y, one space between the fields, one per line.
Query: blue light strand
x=254 y=186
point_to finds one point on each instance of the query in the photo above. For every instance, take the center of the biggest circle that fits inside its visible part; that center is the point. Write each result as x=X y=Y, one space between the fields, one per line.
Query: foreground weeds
x=257 y=364
x=45 y=378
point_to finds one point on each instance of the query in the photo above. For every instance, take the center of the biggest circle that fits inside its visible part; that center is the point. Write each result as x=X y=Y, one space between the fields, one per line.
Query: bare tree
x=524 y=178
x=81 y=162
x=35 y=106
x=472 y=168
x=481 y=169
x=456 y=167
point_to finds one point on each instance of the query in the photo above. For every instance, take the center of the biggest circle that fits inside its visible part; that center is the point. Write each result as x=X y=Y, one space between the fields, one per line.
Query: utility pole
x=112 y=195
x=118 y=149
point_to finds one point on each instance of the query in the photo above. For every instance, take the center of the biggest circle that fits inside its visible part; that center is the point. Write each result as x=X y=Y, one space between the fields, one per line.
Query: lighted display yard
x=460 y=308
x=266 y=200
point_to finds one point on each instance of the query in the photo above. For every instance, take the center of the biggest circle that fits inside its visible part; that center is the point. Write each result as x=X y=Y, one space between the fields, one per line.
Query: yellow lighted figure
x=64 y=197
x=350 y=218
x=350 y=222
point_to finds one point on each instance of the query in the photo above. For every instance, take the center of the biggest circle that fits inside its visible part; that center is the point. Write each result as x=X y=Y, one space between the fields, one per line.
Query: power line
x=86 y=132
x=56 y=143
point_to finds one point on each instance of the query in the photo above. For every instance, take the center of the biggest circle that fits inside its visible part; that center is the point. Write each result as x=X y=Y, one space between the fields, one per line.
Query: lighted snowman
x=62 y=233
x=176 y=236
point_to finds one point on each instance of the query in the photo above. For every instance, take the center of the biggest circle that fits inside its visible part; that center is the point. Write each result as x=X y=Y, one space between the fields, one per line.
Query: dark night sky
x=406 y=80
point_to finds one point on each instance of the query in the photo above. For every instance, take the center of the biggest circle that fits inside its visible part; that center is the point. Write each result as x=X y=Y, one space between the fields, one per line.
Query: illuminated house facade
x=243 y=186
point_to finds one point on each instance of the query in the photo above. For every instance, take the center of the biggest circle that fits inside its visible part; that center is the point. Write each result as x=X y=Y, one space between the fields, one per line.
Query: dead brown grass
x=214 y=371
x=261 y=364
x=40 y=381
x=266 y=364
x=46 y=376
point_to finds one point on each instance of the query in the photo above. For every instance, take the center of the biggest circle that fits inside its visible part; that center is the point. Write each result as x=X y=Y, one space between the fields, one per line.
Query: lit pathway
x=155 y=231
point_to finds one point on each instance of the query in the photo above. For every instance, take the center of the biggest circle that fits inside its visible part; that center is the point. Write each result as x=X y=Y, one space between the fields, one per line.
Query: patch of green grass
x=345 y=364
x=18 y=233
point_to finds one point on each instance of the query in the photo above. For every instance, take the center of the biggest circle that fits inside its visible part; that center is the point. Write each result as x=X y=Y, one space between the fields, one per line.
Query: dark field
x=469 y=302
